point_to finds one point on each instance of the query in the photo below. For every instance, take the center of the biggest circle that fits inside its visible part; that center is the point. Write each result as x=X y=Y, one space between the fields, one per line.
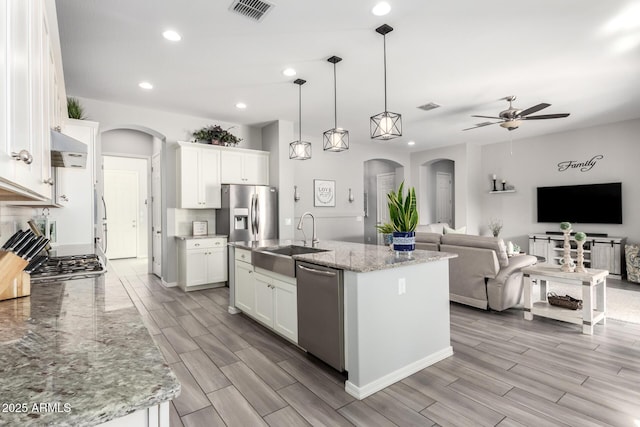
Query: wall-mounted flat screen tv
x=584 y=204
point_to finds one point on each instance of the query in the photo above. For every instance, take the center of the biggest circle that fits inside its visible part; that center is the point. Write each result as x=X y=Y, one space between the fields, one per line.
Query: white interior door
x=121 y=197
x=444 y=198
x=385 y=183
x=156 y=214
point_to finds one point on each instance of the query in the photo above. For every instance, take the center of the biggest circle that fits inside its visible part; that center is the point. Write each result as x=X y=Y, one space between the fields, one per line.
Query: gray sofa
x=482 y=275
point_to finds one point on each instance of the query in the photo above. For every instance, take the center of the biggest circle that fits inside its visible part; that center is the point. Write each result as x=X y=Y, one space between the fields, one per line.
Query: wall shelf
x=502 y=191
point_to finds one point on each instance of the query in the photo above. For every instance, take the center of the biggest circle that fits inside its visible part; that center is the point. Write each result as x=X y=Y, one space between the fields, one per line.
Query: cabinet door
x=7 y=164
x=196 y=268
x=189 y=178
x=231 y=167
x=285 y=317
x=540 y=248
x=603 y=257
x=217 y=265
x=209 y=187
x=245 y=287
x=256 y=168
x=264 y=299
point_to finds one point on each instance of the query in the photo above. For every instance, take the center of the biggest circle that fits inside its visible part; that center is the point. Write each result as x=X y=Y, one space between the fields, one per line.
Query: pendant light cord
x=300 y=113
x=384 y=38
x=335 y=99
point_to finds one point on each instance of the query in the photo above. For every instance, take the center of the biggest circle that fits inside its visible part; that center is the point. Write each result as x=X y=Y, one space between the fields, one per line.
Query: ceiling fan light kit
x=336 y=139
x=300 y=150
x=511 y=118
x=385 y=125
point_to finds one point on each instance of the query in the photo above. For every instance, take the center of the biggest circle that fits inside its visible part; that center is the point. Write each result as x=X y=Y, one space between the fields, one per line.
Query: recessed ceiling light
x=241 y=105
x=172 y=36
x=289 y=72
x=411 y=143
x=145 y=85
x=381 y=8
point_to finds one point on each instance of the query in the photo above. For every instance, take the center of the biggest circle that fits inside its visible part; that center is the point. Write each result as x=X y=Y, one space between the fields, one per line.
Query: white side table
x=594 y=295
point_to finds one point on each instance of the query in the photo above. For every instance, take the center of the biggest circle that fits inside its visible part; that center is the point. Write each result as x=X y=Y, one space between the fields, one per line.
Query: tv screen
x=585 y=204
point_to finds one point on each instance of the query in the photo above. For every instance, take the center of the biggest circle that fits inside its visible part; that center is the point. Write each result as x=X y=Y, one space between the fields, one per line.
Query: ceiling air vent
x=252 y=9
x=429 y=106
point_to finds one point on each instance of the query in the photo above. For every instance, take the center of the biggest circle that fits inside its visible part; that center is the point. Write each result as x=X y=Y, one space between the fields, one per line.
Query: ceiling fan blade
x=534 y=109
x=488 y=117
x=547 y=116
x=483 y=124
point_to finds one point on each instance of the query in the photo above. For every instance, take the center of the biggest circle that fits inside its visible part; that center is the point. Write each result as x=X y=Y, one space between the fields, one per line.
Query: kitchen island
x=76 y=352
x=396 y=309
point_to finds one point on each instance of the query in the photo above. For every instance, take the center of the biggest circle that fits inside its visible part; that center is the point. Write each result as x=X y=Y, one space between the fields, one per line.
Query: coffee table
x=594 y=295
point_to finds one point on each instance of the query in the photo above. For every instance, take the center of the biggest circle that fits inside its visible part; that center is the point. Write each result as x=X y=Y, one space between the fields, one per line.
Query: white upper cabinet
x=240 y=166
x=32 y=97
x=199 y=176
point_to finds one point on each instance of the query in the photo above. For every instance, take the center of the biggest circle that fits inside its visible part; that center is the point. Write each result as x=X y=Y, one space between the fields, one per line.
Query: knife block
x=14 y=282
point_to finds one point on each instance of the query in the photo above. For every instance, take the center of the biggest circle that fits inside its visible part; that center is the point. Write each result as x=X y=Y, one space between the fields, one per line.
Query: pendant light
x=386 y=125
x=336 y=139
x=300 y=150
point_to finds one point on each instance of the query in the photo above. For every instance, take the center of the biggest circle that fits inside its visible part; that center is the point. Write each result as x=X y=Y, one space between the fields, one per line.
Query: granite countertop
x=207 y=236
x=81 y=347
x=350 y=256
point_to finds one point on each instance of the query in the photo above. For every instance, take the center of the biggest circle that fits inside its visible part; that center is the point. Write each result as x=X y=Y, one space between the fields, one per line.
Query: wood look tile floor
x=505 y=371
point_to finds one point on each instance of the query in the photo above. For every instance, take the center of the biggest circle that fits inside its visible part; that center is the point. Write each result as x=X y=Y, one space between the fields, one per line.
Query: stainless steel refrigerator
x=248 y=213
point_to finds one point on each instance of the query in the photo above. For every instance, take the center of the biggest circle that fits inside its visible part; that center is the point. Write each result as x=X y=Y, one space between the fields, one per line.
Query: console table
x=594 y=295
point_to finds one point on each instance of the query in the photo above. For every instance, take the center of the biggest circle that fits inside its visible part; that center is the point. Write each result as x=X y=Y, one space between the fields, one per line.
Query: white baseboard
x=233 y=310
x=395 y=376
x=169 y=284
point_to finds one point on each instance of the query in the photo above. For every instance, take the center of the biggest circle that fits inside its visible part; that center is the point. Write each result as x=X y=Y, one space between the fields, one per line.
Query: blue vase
x=404 y=241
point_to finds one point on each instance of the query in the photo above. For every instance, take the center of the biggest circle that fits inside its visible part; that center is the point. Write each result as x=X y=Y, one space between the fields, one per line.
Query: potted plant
x=75 y=109
x=216 y=135
x=387 y=232
x=403 y=213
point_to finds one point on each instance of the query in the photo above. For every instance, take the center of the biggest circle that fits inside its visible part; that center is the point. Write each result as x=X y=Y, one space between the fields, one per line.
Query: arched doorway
x=127 y=151
x=380 y=176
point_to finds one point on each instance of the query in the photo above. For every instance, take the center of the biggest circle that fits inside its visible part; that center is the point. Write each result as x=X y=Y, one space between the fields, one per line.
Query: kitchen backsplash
x=12 y=219
x=185 y=217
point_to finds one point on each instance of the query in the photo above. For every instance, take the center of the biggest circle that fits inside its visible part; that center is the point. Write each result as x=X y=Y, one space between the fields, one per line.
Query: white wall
x=445 y=166
x=533 y=162
x=13 y=219
x=345 y=220
x=141 y=167
x=128 y=142
x=372 y=169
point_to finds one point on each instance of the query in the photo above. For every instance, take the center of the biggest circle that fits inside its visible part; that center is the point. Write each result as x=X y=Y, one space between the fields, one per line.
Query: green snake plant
x=403 y=212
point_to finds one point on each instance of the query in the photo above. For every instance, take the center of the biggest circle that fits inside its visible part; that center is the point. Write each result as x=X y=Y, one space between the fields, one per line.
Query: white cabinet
x=276 y=303
x=198 y=176
x=31 y=94
x=244 y=287
x=603 y=253
x=202 y=262
x=240 y=166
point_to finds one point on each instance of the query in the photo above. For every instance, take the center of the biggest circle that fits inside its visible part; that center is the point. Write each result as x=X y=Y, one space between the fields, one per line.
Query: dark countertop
x=350 y=256
x=80 y=344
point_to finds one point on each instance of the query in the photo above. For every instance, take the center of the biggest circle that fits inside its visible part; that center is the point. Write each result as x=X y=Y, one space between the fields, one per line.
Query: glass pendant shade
x=385 y=125
x=300 y=150
x=336 y=139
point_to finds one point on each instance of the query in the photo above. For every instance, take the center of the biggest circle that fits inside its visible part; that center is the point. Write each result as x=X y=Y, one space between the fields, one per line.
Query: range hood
x=67 y=152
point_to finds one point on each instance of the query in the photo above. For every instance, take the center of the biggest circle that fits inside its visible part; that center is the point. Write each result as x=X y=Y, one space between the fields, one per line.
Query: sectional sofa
x=482 y=275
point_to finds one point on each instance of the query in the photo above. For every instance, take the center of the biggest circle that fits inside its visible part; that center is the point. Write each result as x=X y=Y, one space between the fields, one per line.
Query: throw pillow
x=449 y=230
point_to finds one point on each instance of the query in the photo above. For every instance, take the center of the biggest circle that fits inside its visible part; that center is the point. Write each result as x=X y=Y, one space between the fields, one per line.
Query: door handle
x=321 y=272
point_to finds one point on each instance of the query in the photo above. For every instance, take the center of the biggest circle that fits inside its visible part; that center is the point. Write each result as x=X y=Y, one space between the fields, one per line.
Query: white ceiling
x=583 y=57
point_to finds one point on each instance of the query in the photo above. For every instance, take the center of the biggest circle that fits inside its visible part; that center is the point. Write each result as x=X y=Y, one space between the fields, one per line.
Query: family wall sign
x=582 y=166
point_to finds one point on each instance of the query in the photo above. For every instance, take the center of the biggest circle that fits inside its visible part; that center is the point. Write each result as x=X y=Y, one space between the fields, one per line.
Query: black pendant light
x=300 y=150
x=386 y=125
x=336 y=139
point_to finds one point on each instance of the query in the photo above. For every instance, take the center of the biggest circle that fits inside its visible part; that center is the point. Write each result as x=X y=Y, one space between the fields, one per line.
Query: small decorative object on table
x=567 y=263
x=215 y=135
x=404 y=218
x=580 y=239
x=387 y=233
x=200 y=228
x=504 y=185
x=495 y=225
x=566 y=301
x=494 y=183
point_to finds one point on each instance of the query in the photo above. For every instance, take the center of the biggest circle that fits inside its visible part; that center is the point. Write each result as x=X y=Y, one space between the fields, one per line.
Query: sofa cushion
x=494 y=243
x=461 y=230
x=432 y=228
x=423 y=237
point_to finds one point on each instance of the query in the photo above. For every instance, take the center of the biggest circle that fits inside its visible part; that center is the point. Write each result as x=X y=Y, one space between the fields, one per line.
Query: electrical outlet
x=402 y=286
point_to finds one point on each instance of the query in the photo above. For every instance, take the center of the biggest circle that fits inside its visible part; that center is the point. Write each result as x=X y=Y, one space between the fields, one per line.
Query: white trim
x=169 y=284
x=395 y=376
x=233 y=310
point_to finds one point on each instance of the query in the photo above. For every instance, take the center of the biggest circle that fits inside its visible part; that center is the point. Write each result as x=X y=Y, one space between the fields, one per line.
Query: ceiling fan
x=512 y=117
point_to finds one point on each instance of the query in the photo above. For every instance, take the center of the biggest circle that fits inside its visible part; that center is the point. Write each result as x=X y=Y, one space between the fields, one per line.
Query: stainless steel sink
x=279 y=259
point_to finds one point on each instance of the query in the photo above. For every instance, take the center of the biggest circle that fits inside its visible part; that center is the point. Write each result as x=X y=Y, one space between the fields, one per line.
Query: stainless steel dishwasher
x=321 y=313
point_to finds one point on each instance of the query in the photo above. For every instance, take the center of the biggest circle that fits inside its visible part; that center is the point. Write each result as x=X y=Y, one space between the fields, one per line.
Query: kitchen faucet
x=314 y=239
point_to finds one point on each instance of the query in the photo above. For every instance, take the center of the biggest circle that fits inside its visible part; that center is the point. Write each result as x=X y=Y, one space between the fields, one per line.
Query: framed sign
x=324 y=192
x=200 y=228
